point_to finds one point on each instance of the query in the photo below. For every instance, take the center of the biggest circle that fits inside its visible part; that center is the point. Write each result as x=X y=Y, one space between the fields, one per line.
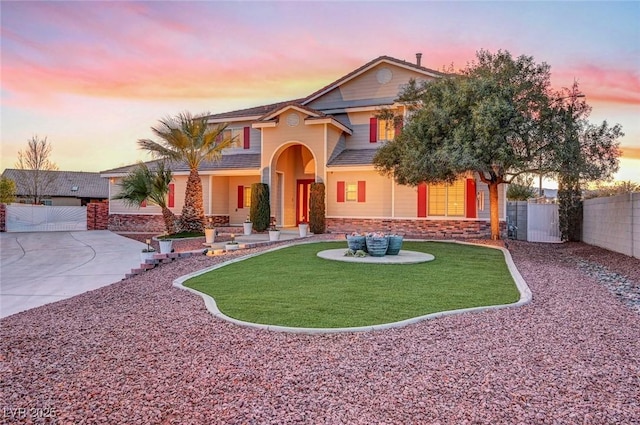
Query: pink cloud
x=603 y=84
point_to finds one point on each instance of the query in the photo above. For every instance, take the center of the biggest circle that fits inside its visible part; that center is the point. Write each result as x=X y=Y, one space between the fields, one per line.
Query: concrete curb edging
x=525 y=298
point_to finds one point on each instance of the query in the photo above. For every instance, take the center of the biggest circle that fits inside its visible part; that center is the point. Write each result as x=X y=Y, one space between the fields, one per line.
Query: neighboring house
x=330 y=136
x=59 y=188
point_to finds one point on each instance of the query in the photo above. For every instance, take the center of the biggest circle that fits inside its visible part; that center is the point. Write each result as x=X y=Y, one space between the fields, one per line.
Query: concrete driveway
x=41 y=268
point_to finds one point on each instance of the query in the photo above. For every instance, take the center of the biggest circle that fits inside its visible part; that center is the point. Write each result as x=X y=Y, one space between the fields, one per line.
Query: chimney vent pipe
x=418 y=58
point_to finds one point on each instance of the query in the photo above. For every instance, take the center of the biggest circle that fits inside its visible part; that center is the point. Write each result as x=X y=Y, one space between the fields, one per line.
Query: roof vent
x=418 y=58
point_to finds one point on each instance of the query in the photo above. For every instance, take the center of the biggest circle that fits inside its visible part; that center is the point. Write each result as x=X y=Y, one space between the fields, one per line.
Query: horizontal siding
x=118 y=206
x=378 y=195
x=254 y=135
x=406 y=200
x=366 y=89
x=220 y=195
x=238 y=215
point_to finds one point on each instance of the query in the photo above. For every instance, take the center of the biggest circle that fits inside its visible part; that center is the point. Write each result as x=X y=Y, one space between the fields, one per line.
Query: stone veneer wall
x=98 y=215
x=3 y=215
x=147 y=223
x=438 y=229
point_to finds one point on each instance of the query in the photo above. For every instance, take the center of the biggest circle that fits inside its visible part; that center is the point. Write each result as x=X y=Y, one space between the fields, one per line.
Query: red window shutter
x=471 y=198
x=362 y=186
x=340 y=191
x=247 y=133
x=373 y=130
x=422 y=200
x=172 y=195
x=399 y=122
x=240 y=196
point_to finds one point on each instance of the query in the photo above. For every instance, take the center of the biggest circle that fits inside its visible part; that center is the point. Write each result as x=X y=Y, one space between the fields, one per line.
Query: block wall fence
x=613 y=223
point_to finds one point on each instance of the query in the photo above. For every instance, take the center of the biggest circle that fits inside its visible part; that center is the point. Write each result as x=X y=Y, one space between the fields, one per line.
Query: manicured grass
x=294 y=287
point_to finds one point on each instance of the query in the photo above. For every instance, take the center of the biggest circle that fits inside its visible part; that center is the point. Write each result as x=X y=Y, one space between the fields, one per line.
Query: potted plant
x=377 y=244
x=356 y=241
x=147 y=253
x=246 y=226
x=209 y=232
x=303 y=227
x=395 y=244
x=274 y=233
x=232 y=245
x=166 y=244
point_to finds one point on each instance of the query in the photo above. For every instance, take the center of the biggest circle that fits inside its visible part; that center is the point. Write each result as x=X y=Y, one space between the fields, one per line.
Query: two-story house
x=330 y=136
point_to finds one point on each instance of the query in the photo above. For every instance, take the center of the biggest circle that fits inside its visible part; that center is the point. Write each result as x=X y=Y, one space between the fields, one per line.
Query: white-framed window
x=351 y=191
x=247 y=196
x=447 y=200
x=386 y=130
x=47 y=202
x=238 y=133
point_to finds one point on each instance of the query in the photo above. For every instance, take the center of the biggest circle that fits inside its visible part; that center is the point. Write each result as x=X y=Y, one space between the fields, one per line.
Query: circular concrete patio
x=403 y=257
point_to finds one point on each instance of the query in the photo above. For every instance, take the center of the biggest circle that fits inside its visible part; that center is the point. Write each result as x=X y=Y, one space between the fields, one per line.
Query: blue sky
x=95 y=76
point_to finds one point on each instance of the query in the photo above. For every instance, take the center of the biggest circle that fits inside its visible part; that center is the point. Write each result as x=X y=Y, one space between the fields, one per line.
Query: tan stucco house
x=329 y=136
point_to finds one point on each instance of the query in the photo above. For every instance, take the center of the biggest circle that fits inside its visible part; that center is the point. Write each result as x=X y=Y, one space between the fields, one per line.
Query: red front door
x=303 y=188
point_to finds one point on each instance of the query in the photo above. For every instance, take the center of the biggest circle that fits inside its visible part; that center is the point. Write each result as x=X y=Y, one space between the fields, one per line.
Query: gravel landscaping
x=142 y=352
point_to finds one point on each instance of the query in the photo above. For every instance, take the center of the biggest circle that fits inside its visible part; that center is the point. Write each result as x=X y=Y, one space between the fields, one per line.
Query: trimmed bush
x=317 y=212
x=260 y=212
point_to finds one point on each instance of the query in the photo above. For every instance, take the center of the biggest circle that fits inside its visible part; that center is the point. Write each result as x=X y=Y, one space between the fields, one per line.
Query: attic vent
x=384 y=75
x=74 y=188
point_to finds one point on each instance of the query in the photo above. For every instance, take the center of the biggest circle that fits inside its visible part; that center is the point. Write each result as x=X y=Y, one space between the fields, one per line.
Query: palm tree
x=189 y=139
x=143 y=184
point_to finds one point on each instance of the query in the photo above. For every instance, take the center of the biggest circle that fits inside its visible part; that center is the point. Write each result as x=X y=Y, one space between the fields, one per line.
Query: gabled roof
x=291 y=105
x=75 y=184
x=227 y=162
x=256 y=111
x=382 y=59
x=266 y=110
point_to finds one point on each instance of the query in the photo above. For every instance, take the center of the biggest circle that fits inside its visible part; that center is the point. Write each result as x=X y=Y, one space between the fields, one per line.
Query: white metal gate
x=44 y=218
x=542 y=223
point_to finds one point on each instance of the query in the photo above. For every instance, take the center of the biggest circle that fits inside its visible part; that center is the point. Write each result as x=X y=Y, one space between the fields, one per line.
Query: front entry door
x=303 y=188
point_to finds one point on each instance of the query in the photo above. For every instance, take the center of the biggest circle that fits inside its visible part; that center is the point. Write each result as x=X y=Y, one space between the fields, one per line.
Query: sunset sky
x=93 y=77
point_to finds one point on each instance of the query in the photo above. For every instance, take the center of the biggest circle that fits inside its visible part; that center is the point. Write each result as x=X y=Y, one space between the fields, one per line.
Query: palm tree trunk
x=169 y=220
x=193 y=211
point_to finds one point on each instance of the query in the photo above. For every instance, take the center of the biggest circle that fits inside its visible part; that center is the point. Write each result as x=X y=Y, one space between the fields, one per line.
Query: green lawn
x=293 y=287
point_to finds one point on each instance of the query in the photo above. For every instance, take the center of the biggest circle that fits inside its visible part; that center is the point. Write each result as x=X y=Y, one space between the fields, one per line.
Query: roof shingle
x=87 y=184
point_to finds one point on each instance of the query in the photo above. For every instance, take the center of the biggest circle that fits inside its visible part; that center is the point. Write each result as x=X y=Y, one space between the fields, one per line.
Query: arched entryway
x=294 y=169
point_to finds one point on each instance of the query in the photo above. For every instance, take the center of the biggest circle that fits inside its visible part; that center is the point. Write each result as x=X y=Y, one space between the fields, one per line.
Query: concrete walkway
x=40 y=268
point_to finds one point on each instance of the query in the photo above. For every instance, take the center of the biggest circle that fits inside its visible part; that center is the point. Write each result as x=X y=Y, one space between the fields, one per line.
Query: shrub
x=317 y=213
x=260 y=212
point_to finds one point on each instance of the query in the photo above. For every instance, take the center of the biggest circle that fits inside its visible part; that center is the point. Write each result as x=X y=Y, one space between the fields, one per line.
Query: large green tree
x=490 y=119
x=189 y=139
x=584 y=152
x=150 y=185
